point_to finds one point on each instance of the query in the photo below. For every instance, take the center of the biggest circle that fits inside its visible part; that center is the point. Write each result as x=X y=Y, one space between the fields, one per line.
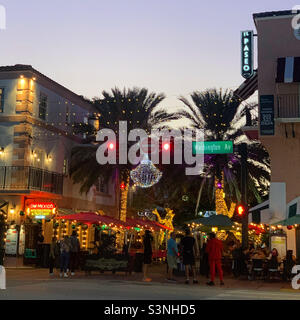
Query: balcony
x=22 y=179
x=288 y=106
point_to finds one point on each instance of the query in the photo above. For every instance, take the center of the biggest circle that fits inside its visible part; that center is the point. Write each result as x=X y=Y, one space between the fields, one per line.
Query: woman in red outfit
x=214 y=249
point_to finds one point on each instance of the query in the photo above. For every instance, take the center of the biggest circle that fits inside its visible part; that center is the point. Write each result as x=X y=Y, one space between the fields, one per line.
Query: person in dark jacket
x=214 y=249
x=39 y=251
x=74 y=252
x=188 y=254
x=147 y=253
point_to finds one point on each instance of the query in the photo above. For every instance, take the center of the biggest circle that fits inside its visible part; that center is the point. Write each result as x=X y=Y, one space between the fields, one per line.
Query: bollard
x=2 y=278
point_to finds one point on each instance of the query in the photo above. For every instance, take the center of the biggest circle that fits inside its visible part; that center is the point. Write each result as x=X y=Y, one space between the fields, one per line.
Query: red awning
x=91 y=217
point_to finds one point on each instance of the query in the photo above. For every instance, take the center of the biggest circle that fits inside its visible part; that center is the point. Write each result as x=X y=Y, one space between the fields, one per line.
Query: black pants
x=51 y=264
x=73 y=261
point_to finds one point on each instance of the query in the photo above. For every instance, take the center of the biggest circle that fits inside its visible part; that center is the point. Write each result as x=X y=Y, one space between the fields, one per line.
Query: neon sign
x=247 y=53
x=41 y=210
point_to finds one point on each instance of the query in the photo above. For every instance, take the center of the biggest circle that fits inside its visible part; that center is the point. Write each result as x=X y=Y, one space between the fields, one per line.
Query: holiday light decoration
x=167 y=221
x=221 y=206
x=145 y=175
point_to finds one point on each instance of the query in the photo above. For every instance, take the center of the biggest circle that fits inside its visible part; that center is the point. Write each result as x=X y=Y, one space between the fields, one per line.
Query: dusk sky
x=170 y=46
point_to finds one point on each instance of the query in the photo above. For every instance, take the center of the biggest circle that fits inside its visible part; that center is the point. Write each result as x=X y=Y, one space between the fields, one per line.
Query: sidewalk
x=156 y=272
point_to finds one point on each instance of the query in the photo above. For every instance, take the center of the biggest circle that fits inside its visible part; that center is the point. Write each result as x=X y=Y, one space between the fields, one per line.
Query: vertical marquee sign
x=247 y=53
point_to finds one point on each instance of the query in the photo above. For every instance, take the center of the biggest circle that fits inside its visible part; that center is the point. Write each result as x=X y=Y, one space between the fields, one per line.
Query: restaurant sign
x=247 y=53
x=41 y=210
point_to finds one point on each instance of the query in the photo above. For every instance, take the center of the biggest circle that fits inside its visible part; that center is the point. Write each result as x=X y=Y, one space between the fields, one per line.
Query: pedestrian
x=65 y=247
x=204 y=265
x=39 y=251
x=147 y=254
x=172 y=253
x=53 y=255
x=188 y=253
x=74 y=252
x=214 y=249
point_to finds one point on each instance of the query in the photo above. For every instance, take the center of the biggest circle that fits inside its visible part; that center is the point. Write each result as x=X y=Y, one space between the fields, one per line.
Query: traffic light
x=166 y=146
x=111 y=145
x=241 y=210
x=122 y=186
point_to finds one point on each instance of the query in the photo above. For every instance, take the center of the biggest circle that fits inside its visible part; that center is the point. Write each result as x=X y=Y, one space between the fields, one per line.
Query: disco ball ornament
x=145 y=175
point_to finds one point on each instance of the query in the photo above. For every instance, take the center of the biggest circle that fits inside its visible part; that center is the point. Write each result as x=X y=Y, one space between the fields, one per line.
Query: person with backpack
x=74 y=252
x=65 y=246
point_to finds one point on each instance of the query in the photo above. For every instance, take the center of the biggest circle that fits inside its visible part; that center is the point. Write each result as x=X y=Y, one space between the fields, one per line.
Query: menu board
x=279 y=243
x=266 y=107
x=11 y=241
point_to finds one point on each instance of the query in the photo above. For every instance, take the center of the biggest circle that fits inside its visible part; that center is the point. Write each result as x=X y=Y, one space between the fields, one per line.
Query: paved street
x=36 y=284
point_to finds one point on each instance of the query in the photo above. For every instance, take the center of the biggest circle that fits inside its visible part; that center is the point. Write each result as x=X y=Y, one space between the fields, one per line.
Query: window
x=43 y=106
x=1 y=99
x=293 y=210
x=101 y=186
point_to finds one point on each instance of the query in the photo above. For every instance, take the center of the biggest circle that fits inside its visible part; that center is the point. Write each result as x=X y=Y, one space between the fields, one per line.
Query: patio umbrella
x=288 y=222
x=214 y=221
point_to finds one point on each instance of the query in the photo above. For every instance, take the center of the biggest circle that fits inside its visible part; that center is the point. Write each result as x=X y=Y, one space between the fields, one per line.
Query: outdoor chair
x=257 y=269
x=273 y=269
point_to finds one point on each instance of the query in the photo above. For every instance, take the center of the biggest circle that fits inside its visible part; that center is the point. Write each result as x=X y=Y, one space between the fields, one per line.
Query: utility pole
x=244 y=184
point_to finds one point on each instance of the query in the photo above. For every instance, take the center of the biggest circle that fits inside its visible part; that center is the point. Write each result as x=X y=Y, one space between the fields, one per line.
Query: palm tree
x=222 y=115
x=136 y=106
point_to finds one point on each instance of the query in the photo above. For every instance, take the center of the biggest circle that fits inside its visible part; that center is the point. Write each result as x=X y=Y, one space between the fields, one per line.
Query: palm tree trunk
x=199 y=196
x=124 y=198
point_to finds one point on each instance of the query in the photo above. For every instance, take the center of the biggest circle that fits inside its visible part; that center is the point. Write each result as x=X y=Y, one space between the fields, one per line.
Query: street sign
x=212 y=147
x=247 y=53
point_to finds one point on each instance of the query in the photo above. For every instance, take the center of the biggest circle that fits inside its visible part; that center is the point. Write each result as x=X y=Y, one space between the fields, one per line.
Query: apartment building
x=36 y=138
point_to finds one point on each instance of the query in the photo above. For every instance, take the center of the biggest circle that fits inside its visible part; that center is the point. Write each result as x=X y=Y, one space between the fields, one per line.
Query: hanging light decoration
x=145 y=175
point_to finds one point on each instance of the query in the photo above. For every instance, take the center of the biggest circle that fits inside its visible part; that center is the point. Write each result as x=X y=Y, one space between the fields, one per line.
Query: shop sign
x=247 y=53
x=11 y=241
x=41 y=210
x=266 y=107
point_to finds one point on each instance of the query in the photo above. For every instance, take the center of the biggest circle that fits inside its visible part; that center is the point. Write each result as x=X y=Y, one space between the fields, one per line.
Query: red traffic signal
x=111 y=145
x=166 y=146
x=241 y=210
x=122 y=186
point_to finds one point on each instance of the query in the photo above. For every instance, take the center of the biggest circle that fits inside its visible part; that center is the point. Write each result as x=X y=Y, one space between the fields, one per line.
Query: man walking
x=214 y=249
x=172 y=254
x=74 y=252
x=188 y=254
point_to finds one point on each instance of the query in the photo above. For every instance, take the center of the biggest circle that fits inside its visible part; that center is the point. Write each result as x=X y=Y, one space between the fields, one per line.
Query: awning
x=146 y=224
x=91 y=217
x=247 y=88
x=289 y=222
x=261 y=206
x=214 y=221
x=288 y=70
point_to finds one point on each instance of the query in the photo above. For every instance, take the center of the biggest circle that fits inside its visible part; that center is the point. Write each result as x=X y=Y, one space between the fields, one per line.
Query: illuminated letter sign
x=41 y=210
x=247 y=54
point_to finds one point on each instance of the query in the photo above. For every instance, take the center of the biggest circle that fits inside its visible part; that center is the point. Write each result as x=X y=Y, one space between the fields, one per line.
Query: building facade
x=37 y=116
x=278 y=83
